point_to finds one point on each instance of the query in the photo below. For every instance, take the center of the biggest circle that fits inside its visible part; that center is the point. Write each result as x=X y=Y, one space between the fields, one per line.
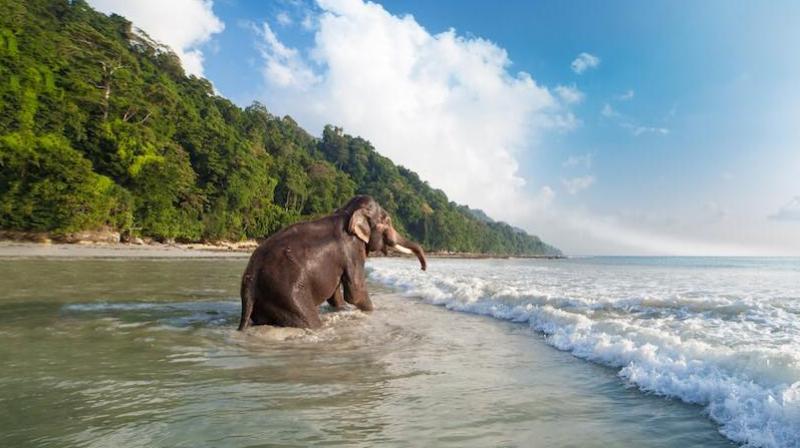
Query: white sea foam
x=725 y=335
x=332 y=325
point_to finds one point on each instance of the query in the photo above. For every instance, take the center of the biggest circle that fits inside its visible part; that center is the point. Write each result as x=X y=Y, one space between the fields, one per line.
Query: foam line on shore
x=753 y=393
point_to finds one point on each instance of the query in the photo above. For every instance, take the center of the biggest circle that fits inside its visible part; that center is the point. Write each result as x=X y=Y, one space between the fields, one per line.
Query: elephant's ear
x=359 y=226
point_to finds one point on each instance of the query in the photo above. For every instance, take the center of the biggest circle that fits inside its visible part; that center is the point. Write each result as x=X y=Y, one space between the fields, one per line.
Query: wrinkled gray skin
x=292 y=272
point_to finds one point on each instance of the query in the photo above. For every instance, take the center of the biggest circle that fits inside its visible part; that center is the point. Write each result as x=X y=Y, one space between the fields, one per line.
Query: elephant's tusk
x=403 y=249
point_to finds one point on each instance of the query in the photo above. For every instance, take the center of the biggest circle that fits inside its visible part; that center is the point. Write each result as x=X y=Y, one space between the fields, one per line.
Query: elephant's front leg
x=337 y=299
x=355 y=288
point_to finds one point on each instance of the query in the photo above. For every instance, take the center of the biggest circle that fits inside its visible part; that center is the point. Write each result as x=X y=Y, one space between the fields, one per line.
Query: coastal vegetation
x=101 y=127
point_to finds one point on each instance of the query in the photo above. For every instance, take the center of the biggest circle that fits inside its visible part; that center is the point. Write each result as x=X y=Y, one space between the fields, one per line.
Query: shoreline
x=21 y=249
x=12 y=248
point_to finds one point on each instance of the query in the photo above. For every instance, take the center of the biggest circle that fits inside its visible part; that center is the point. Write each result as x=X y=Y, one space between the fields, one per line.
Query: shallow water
x=723 y=333
x=127 y=352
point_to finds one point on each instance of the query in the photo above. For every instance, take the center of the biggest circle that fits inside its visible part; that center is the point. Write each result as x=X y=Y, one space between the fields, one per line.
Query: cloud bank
x=444 y=105
x=183 y=25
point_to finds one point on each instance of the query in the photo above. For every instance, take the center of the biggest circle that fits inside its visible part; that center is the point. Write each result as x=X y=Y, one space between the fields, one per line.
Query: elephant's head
x=371 y=224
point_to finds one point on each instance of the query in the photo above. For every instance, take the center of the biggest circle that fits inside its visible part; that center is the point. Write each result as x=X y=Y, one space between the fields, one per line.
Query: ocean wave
x=174 y=315
x=736 y=355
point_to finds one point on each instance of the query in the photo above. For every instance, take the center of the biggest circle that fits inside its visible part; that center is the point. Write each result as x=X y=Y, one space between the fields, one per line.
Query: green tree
x=100 y=126
x=46 y=185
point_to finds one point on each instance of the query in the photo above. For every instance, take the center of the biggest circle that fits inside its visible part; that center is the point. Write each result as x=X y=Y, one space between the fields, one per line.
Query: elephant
x=298 y=268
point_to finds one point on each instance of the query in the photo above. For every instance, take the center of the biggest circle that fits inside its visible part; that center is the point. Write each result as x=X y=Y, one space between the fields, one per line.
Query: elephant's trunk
x=410 y=247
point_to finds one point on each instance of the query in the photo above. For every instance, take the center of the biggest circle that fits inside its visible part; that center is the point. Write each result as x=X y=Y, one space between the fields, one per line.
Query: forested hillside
x=100 y=126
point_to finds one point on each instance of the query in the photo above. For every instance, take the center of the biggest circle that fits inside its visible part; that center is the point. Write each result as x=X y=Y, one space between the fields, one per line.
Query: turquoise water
x=143 y=353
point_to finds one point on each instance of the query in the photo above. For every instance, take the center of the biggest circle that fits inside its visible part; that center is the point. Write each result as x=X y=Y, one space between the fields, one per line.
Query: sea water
x=723 y=333
x=127 y=352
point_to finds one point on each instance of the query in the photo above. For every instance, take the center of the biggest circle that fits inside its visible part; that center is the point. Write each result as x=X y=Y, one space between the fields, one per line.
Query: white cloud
x=609 y=111
x=789 y=212
x=581 y=160
x=284 y=67
x=569 y=94
x=562 y=122
x=583 y=62
x=283 y=18
x=308 y=23
x=183 y=25
x=444 y=105
x=628 y=123
x=627 y=96
x=639 y=130
x=577 y=184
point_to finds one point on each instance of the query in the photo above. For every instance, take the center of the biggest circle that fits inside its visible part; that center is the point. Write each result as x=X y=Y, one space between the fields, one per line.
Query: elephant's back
x=302 y=237
x=296 y=257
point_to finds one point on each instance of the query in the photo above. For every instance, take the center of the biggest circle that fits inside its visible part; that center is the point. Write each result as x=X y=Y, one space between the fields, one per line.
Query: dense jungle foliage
x=100 y=126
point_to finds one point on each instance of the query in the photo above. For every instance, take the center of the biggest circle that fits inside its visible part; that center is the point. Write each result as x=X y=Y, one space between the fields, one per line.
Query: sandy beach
x=10 y=248
x=110 y=250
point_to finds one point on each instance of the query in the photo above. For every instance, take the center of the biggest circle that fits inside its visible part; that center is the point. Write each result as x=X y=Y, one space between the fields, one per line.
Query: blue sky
x=623 y=127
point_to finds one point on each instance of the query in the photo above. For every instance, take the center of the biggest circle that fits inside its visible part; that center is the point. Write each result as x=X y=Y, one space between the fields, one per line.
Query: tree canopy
x=100 y=126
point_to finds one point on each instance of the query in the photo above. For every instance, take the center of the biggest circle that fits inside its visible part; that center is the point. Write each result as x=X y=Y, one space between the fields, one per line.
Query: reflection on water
x=101 y=353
